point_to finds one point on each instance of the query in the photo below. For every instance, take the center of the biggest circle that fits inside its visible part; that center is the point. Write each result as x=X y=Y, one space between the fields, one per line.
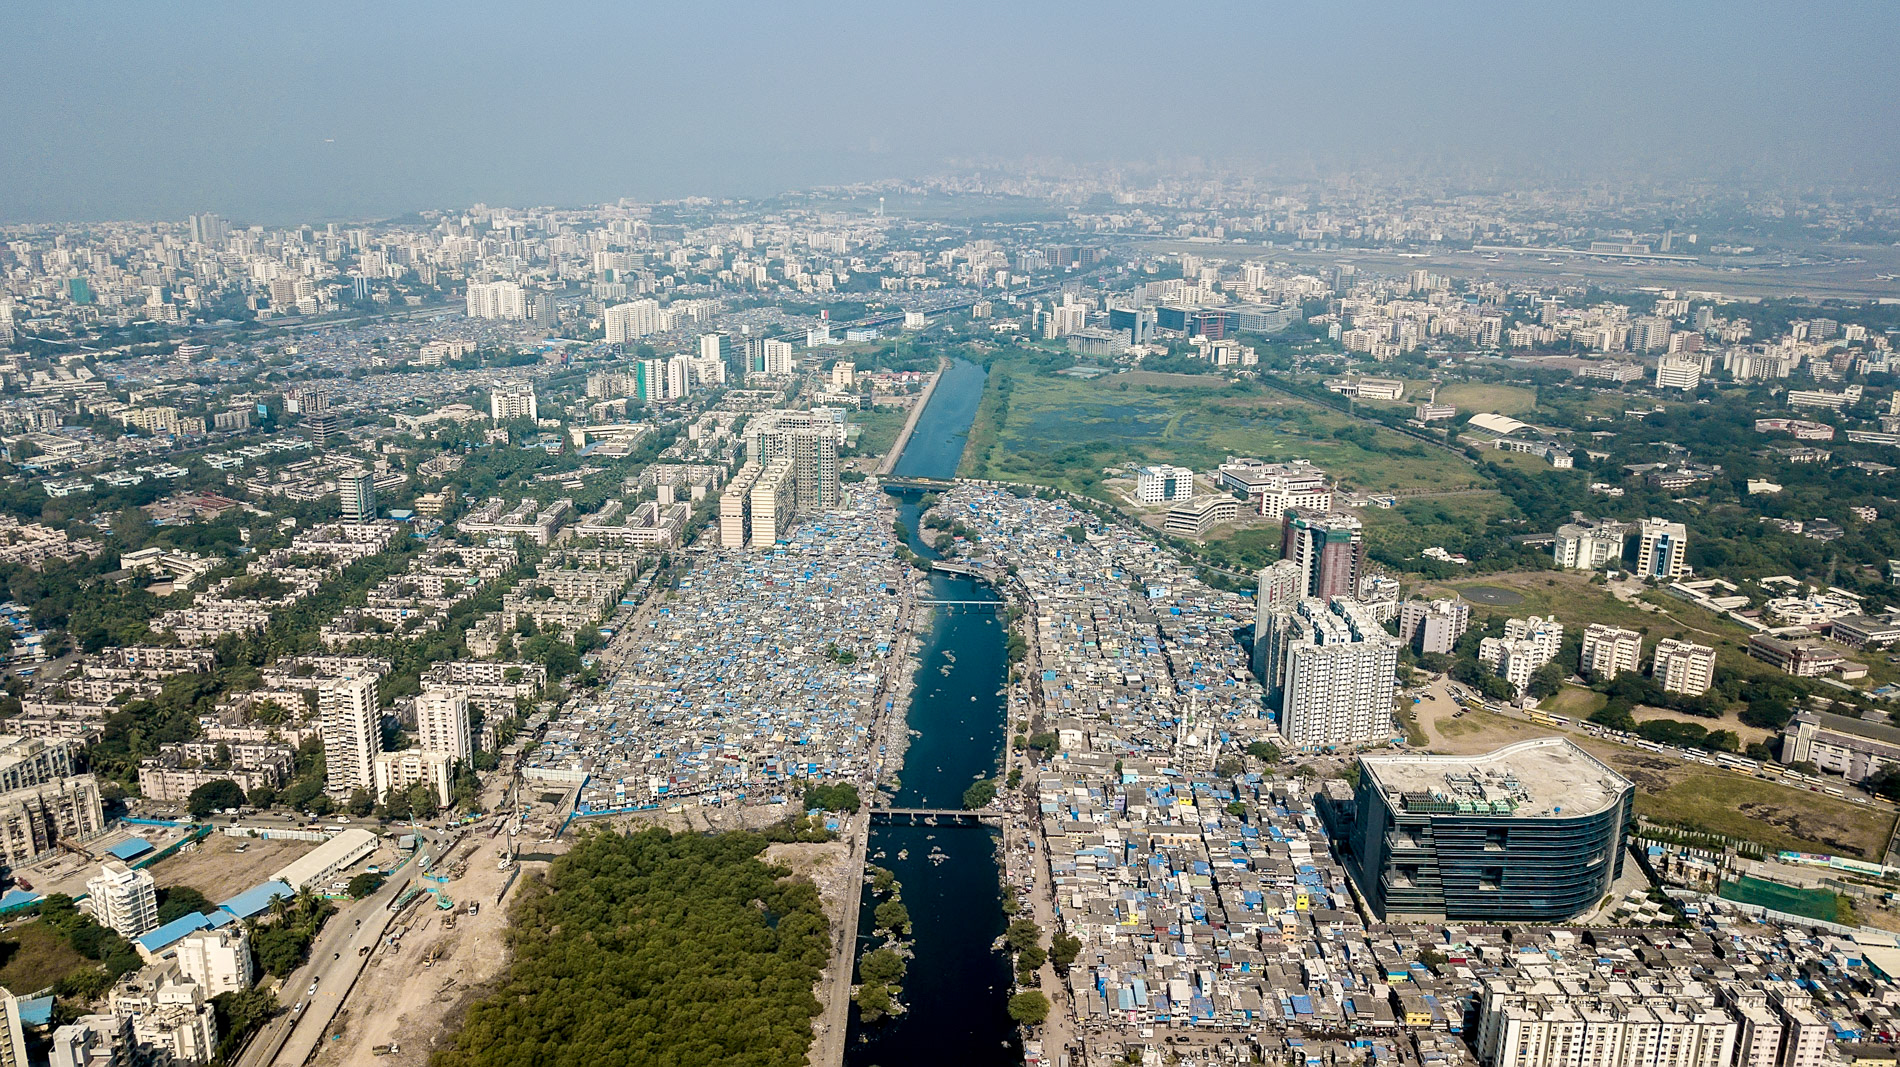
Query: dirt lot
x=1453 y=734
x=419 y=1006
x=218 y=870
x=1748 y=734
x=826 y=866
x=697 y=820
x=66 y=872
x=1721 y=801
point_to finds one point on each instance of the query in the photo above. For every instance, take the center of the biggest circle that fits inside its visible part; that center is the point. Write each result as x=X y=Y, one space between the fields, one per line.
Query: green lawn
x=1477 y=397
x=1249 y=548
x=1062 y=431
x=1569 y=596
x=881 y=427
x=1422 y=522
x=1575 y=702
x=34 y=957
x=1775 y=816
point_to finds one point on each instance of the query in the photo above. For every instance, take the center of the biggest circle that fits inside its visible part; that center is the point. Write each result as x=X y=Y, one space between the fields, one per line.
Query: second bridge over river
x=933 y=817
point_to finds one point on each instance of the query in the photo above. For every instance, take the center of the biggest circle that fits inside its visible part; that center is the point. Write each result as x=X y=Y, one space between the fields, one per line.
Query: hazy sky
x=275 y=113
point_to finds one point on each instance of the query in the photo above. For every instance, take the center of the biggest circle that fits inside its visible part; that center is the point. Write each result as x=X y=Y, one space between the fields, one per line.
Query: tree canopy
x=655 y=948
x=215 y=795
x=1029 y=1007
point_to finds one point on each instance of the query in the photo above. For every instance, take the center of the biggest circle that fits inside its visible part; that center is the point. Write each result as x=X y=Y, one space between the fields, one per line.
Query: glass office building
x=1532 y=832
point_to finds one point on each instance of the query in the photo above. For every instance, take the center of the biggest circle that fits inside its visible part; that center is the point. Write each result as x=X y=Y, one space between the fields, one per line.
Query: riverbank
x=890 y=740
x=916 y=411
x=956 y=992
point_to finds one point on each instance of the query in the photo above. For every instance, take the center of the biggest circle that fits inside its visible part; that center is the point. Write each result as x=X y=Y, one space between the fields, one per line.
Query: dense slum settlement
x=764 y=670
x=1211 y=906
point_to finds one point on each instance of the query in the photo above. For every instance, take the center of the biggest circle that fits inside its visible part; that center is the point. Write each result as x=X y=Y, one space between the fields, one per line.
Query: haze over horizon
x=276 y=115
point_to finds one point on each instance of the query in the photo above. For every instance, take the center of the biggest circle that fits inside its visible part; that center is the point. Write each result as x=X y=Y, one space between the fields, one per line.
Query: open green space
x=1037 y=427
x=1571 y=597
x=880 y=429
x=1419 y=523
x=1243 y=548
x=1574 y=702
x=33 y=956
x=1774 y=816
x=1813 y=903
x=655 y=948
x=1478 y=397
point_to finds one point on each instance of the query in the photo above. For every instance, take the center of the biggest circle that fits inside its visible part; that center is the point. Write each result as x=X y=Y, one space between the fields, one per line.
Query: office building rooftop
x=1548 y=777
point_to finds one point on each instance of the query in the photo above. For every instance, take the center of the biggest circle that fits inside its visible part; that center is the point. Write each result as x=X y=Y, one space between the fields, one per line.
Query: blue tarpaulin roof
x=130 y=848
x=173 y=932
x=254 y=900
x=16 y=899
x=36 y=1012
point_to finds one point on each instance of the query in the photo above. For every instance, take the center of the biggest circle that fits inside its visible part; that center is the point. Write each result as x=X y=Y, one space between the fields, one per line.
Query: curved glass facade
x=1424 y=856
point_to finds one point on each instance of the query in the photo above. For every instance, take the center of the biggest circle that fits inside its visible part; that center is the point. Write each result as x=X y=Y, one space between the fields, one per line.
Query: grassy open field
x=1169 y=380
x=1479 y=397
x=1668 y=790
x=33 y=957
x=1575 y=702
x=1422 y=522
x=1243 y=547
x=1775 y=816
x=881 y=427
x=1061 y=431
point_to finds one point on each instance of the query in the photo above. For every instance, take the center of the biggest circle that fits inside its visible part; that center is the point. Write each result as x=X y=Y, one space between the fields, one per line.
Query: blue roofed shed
x=150 y=945
x=15 y=899
x=256 y=899
x=130 y=849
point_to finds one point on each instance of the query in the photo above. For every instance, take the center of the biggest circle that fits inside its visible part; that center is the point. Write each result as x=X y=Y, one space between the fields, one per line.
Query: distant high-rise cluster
x=496 y=300
x=512 y=402
x=756 y=508
x=1527 y=644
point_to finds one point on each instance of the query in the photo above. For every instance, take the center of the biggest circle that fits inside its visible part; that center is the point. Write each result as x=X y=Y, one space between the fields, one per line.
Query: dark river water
x=957 y=987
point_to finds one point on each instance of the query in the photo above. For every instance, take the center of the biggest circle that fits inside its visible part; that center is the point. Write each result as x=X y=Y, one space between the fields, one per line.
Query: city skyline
x=316 y=116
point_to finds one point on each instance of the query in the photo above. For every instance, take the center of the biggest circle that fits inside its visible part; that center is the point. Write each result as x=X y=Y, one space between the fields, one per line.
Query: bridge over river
x=933 y=817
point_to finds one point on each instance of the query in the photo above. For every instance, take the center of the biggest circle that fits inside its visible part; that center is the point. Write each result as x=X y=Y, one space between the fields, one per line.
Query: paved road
x=896 y=451
x=336 y=959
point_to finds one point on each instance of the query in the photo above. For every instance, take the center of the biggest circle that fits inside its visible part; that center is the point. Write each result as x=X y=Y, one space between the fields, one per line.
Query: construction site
x=447 y=942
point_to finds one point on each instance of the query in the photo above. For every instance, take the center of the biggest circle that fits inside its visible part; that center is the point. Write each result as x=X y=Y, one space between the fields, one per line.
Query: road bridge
x=933 y=484
x=933 y=817
x=966 y=605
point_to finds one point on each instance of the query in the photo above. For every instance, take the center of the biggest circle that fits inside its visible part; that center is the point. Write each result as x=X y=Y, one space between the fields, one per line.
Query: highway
x=336 y=959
